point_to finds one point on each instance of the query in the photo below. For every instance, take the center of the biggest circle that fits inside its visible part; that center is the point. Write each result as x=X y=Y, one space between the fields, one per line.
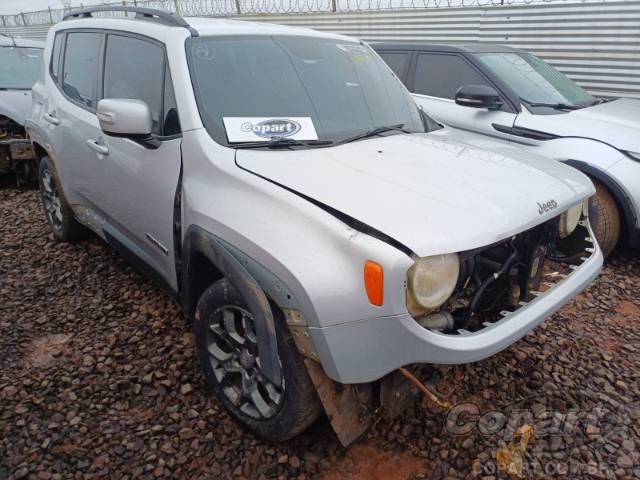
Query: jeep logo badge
x=272 y=128
x=547 y=206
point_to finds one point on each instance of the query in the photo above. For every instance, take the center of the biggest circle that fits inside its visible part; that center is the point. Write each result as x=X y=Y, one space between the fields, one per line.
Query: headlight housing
x=569 y=220
x=431 y=281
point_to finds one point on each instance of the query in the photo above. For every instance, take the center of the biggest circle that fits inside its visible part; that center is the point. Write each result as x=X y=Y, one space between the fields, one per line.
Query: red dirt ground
x=368 y=462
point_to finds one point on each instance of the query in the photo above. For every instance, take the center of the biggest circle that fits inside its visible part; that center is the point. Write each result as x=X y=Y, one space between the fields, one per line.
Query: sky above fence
x=8 y=7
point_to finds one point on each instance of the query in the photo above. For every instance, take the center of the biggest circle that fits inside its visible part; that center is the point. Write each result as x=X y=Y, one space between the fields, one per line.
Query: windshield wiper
x=376 y=131
x=281 y=142
x=556 y=106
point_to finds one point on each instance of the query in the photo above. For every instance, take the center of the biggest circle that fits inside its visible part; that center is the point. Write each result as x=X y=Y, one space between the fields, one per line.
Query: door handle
x=52 y=119
x=96 y=147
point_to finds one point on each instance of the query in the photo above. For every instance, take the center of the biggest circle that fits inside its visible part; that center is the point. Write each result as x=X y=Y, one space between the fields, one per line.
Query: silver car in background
x=515 y=97
x=20 y=67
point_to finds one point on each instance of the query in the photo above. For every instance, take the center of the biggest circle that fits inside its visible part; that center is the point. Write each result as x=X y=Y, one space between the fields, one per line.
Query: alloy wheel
x=233 y=353
x=51 y=199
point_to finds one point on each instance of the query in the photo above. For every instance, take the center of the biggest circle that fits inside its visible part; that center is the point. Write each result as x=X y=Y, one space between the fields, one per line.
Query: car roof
x=220 y=26
x=203 y=26
x=446 y=47
x=8 y=41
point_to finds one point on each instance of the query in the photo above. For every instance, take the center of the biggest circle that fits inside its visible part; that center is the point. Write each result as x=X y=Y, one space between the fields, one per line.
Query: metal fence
x=596 y=43
x=210 y=8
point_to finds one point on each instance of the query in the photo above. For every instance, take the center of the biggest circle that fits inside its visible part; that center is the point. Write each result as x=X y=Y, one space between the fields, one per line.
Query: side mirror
x=478 y=96
x=124 y=117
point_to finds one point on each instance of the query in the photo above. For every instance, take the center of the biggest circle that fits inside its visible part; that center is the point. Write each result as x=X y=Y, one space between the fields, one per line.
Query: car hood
x=616 y=122
x=15 y=104
x=435 y=193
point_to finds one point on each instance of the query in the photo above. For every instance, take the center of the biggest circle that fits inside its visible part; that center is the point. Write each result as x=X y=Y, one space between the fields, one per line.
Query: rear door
x=138 y=185
x=70 y=115
x=435 y=78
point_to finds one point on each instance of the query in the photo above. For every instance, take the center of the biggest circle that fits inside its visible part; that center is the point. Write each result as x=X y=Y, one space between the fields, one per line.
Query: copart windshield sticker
x=256 y=129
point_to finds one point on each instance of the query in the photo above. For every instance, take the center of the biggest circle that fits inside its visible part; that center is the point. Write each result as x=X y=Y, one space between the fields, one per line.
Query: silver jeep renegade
x=328 y=238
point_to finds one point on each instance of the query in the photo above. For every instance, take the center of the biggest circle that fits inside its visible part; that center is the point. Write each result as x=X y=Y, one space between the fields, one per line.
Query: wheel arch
x=206 y=259
x=622 y=200
x=40 y=152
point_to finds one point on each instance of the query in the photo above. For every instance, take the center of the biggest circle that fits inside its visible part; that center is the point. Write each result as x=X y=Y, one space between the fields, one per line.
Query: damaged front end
x=17 y=155
x=353 y=409
x=496 y=280
x=493 y=286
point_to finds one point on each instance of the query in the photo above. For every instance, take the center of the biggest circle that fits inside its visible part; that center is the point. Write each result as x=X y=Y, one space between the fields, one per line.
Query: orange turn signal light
x=374 y=282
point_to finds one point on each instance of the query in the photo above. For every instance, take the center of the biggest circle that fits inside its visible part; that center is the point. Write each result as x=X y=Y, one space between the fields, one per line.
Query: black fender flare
x=621 y=198
x=198 y=240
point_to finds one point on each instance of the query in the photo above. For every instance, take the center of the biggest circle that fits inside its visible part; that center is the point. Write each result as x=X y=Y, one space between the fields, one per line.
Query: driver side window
x=134 y=69
x=441 y=75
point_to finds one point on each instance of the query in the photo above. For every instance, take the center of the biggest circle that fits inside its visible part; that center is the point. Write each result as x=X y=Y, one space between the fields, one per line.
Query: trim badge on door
x=157 y=244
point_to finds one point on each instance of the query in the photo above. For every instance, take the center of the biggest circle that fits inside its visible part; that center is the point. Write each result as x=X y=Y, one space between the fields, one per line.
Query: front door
x=138 y=187
x=437 y=77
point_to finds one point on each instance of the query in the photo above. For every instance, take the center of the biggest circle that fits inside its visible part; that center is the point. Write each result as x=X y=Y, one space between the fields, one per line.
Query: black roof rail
x=152 y=14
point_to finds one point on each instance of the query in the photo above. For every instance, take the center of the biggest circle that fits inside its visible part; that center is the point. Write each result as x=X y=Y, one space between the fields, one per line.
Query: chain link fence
x=222 y=8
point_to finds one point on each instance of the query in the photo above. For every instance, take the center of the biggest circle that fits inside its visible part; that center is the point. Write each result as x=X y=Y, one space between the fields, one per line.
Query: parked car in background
x=513 y=96
x=20 y=66
x=285 y=188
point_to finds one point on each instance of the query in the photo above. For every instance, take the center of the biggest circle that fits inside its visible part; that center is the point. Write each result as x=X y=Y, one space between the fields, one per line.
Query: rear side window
x=55 y=56
x=81 y=66
x=397 y=61
x=135 y=69
x=439 y=75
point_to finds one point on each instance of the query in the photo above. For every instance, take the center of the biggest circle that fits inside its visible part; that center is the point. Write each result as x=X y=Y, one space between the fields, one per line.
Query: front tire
x=226 y=344
x=604 y=216
x=57 y=211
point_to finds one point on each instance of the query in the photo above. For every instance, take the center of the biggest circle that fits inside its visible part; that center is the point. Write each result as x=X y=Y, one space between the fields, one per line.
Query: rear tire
x=227 y=350
x=58 y=213
x=604 y=216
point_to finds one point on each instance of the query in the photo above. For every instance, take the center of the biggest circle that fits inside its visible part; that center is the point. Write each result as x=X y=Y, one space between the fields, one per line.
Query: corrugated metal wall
x=37 y=32
x=595 y=43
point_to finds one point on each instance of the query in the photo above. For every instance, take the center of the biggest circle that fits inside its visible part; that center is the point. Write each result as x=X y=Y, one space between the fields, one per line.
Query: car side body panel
x=261 y=220
x=15 y=104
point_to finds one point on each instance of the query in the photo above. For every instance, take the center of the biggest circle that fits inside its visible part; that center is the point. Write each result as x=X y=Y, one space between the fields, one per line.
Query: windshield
x=332 y=88
x=534 y=80
x=20 y=67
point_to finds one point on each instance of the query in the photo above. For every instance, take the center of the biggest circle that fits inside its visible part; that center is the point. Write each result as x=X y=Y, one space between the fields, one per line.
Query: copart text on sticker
x=255 y=129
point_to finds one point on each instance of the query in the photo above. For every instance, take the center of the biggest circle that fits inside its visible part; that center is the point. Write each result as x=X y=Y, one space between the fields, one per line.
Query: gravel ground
x=98 y=380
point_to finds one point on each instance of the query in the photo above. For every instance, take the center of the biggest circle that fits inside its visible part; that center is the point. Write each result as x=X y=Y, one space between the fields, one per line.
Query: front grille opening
x=497 y=280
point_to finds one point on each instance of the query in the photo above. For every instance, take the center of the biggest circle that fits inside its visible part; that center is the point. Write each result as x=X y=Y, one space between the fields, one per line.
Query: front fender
x=197 y=240
x=622 y=199
x=598 y=154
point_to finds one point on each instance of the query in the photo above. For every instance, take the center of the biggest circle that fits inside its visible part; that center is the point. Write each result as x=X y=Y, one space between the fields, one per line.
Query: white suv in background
x=283 y=186
x=514 y=97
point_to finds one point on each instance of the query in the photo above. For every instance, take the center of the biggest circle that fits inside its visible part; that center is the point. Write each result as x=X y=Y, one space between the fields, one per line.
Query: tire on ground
x=300 y=406
x=604 y=216
x=68 y=228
